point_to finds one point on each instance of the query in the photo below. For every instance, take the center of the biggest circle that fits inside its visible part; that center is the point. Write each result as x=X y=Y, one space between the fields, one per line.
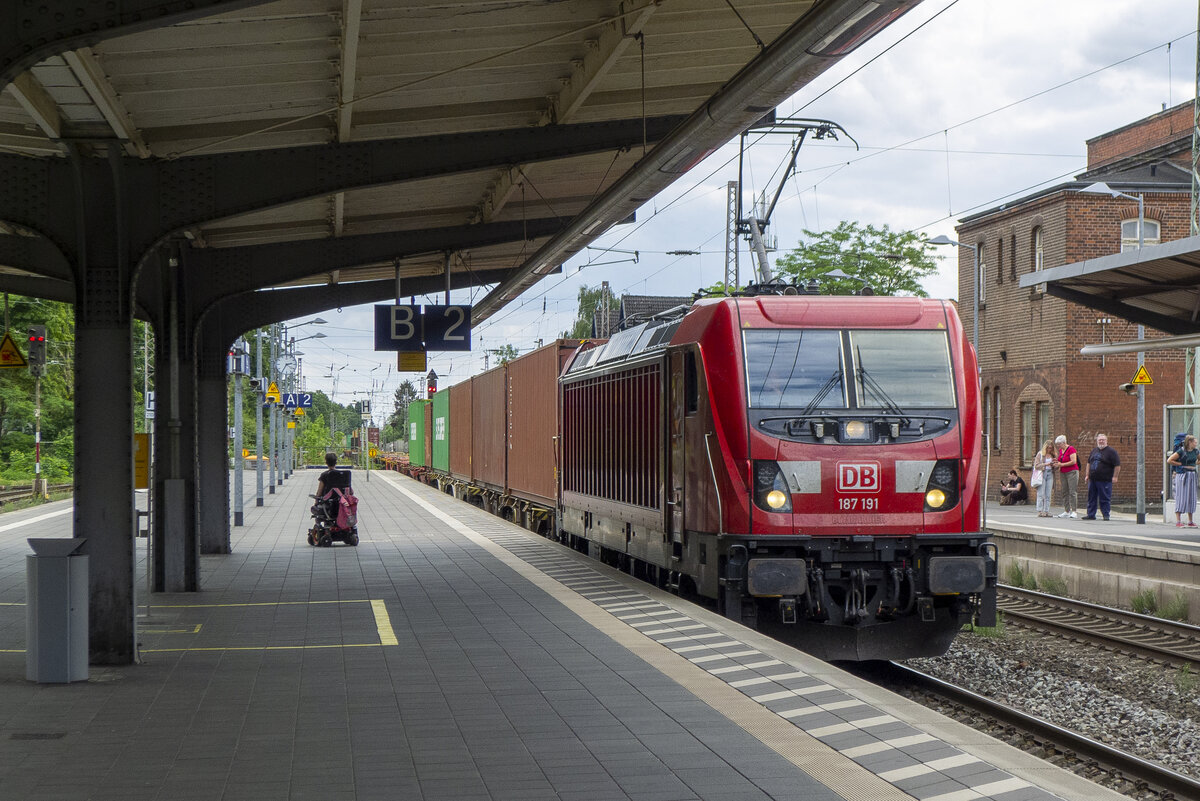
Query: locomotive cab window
x=787 y=368
x=908 y=369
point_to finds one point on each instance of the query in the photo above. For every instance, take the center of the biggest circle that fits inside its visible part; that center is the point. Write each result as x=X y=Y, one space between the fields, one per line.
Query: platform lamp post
x=294 y=385
x=942 y=239
x=1101 y=188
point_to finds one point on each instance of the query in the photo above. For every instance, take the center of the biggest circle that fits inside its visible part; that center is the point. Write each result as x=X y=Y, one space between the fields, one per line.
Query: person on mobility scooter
x=335 y=514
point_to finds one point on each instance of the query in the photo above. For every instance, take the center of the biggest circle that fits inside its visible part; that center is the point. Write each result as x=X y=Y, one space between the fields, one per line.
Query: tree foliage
x=890 y=262
x=17 y=420
x=591 y=300
x=504 y=354
x=405 y=394
x=313 y=439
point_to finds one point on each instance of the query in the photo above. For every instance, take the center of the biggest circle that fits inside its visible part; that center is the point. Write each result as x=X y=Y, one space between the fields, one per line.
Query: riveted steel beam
x=34 y=254
x=30 y=32
x=217 y=273
x=170 y=196
x=234 y=316
x=197 y=189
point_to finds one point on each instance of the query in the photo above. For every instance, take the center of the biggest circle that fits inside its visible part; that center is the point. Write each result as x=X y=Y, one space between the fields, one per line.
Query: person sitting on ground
x=1013 y=491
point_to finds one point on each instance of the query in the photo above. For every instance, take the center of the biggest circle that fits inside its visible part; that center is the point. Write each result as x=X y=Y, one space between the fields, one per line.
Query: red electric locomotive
x=810 y=463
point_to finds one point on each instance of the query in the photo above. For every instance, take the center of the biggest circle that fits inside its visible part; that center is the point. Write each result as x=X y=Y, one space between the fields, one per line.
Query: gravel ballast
x=1141 y=707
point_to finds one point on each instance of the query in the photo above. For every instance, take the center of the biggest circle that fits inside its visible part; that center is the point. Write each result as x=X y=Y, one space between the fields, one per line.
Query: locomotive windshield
x=806 y=368
x=789 y=368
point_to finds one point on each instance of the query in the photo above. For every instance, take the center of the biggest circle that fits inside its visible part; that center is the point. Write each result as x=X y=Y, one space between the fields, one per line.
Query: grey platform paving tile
x=975 y=773
x=936 y=788
x=1026 y=794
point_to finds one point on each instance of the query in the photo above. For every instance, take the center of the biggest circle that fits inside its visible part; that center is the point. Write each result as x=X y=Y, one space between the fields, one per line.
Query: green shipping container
x=416 y=433
x=441 y=431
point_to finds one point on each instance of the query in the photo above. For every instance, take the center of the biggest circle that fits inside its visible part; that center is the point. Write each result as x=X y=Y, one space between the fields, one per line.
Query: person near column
x=1183 y=467
x=1100 y=473
x=1043 y=463
x=1067 y=462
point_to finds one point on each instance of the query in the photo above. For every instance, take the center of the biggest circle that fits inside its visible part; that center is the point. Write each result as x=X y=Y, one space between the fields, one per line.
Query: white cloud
x=974 y=59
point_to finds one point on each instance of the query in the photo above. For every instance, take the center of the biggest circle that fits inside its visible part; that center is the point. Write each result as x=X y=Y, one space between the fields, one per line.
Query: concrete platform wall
x=1104 y=573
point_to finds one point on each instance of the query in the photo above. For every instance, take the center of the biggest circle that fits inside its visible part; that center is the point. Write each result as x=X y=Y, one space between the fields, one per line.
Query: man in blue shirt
x=1100 y=472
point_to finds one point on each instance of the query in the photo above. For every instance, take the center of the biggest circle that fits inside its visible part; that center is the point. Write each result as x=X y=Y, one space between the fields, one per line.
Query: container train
x=809 y=464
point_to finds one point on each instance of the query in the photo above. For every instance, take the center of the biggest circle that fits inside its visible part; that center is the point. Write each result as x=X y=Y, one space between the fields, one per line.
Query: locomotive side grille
x=612 y=431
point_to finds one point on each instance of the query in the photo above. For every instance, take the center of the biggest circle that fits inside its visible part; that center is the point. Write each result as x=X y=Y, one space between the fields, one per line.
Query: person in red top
x=1067 y=463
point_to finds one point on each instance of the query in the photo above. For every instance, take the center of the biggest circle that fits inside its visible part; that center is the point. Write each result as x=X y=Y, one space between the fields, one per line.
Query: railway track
x=8 y=496
x=1168 y=783
x=1141 y=635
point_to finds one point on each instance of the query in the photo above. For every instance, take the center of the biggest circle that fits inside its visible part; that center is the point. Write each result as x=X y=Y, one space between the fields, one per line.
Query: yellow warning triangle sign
x=10 y=354
x=1142 y=377
x=273 y=393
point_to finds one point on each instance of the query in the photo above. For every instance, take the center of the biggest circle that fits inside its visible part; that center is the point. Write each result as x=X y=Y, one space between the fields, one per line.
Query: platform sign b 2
x=399 y=328
x=416 y=328
x=448 y=327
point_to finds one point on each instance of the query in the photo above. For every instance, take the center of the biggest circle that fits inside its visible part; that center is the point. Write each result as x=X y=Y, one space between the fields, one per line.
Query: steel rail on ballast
x=1168 y=640
x=1128 y=765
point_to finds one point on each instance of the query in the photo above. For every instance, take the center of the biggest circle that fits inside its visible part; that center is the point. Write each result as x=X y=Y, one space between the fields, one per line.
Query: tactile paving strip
x=913 y=761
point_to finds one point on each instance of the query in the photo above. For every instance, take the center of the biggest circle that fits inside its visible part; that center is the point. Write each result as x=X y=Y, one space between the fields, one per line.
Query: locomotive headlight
x=771 y=492
x=942 y=491
x=857 y=431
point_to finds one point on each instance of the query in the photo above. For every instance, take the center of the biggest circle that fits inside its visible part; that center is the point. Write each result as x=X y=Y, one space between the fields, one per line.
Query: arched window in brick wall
x=987 y=415
x=1012 y=257
x=1129 y=234
x=1035 y=415
x=1000 y=261
x=1037 y=248
x=996 y=418
x=981 y=278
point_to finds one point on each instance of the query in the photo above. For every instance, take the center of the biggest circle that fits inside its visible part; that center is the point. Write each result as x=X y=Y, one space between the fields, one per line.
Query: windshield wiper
x=889 y=405
x=825 y=389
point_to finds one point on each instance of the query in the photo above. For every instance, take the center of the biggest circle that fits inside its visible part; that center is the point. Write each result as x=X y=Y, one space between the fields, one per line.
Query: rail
x=8 y=496
x=1132 y=767
x=1167 y=640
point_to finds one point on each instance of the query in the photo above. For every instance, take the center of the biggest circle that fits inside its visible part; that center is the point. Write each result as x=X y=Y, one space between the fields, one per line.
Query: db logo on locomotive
x=858 y=476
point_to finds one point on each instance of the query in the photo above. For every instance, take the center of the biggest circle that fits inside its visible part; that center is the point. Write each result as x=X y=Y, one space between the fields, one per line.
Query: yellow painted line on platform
x=151 y=630
x=10 y=603
x=387 y=635
x=262 y=603
x=383 y=624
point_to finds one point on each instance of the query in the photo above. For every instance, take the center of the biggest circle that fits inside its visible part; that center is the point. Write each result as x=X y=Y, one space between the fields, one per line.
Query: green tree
x=890 y=262
x=405 y=394
x=313 y=439
x=590 y=302
x=504 y=354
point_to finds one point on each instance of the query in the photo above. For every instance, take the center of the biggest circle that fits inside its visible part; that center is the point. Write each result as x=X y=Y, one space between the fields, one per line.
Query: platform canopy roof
x=672 y=79
x=1157 y=286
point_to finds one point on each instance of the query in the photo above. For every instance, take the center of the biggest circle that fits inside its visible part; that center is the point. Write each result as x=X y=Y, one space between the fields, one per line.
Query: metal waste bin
x=56 y=605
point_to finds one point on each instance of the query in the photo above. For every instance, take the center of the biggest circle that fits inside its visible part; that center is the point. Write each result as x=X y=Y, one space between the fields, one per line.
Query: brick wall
x=1146 y=134
x=1029 y=341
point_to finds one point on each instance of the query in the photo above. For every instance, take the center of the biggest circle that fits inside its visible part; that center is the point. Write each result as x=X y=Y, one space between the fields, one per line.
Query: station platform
x=454 y=656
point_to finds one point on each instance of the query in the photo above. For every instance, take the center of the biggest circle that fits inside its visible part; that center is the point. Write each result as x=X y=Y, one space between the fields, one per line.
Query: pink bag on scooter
x=347 y=516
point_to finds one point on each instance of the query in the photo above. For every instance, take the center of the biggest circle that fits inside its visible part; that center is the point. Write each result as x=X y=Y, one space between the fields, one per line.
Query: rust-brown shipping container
x=533 y=421
x=460 y=431
x=489 y=393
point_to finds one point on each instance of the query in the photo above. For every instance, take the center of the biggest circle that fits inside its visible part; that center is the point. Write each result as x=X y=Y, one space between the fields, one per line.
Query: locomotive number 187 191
x=851 y=504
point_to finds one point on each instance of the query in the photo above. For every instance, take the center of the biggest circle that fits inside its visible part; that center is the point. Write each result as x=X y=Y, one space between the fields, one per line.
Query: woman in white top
x=1043 y=461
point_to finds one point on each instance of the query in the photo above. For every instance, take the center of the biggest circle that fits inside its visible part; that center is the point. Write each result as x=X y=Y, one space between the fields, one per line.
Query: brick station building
x=1036 y=385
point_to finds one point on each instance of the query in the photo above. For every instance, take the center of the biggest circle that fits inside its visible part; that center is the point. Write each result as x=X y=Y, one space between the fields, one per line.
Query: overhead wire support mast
x=753 y=227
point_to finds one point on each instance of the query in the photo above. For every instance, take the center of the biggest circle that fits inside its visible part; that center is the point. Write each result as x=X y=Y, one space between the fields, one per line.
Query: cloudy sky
x=958 y=107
